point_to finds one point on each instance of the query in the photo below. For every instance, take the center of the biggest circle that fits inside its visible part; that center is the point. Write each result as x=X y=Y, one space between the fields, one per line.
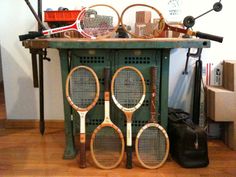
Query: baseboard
x=33 y=123
x=2 y=123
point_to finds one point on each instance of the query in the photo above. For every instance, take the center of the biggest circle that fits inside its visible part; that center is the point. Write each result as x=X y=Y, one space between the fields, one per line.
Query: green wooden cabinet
x=115 y=53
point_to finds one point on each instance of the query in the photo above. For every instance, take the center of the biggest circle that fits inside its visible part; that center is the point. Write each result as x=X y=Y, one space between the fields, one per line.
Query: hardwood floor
x=24 y=152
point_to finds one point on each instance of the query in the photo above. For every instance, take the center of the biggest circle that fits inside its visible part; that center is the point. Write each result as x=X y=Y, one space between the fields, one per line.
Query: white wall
x=22 y=98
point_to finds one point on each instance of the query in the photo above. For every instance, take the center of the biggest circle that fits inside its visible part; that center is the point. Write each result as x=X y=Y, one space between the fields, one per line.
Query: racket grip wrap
x=153 y=76
x=209 y=36
x=82 y=161
x=31 y=35
x=129 y=157
x=106 y=79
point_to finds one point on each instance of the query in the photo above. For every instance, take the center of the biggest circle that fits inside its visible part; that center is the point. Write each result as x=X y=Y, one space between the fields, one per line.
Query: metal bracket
x=194 y=55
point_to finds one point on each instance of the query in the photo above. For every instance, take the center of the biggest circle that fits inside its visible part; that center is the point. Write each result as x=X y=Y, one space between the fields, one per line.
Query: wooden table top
x=117 y=43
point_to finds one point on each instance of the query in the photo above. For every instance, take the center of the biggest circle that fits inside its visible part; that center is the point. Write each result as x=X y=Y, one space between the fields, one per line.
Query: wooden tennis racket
x=82 y=92
x=128 y=93
x=107 y=141
x=96 y=21
x=148 y=22
x=152 y=142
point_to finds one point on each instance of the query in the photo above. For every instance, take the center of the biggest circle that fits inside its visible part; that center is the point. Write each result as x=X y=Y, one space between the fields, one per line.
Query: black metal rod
x=34 y=67
x=186 y=63
x=40 y=15
x=37 y=17
x=203 y=14
x=41 y=96
x=41 y=78
x=197 y=92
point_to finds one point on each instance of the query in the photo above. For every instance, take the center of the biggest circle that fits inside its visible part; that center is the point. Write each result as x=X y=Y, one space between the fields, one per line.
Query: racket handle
x=106 y=79
x=30 y=35
x=209 y=36
x=129 y=157
x=153 y=77
x=82 y=163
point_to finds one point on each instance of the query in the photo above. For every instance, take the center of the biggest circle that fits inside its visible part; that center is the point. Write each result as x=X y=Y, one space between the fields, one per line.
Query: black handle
x=209 y=36
x=106 y=79
x=129 y=157
x=30 y=35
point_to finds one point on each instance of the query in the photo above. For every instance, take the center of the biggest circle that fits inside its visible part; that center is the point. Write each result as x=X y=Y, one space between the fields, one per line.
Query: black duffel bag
x=188 y=142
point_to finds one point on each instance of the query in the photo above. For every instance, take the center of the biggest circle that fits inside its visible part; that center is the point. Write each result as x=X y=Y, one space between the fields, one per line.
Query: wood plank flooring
x=24 y=152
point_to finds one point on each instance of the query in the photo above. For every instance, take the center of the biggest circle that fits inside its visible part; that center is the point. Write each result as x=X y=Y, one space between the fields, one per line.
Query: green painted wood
x=115 y=53
x=158 y=43
x=129 y=45
x=70 y=151
x=164 y=87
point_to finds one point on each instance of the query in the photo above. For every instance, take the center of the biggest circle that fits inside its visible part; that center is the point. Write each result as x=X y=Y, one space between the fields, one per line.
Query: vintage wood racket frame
x=82 y=111
x=128 y=111
x=152 y=123
x=107 y=123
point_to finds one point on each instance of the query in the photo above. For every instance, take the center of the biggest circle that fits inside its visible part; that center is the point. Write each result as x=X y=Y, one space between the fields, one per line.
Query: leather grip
x=106 y=79
x=153 y=77
x=129 y=157
x=82 y=163
x=31 y=35
x=209 y=36
x=153 y=73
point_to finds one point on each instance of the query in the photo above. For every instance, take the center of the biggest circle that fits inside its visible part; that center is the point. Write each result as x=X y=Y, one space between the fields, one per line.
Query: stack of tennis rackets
x=128 y=90
x=102 y=21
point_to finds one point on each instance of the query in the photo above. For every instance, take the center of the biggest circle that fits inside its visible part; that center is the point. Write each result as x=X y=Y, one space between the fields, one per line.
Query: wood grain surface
x=24 y=152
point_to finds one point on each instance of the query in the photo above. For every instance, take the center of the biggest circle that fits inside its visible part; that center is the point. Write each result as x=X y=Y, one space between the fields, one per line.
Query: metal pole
x=41 y=78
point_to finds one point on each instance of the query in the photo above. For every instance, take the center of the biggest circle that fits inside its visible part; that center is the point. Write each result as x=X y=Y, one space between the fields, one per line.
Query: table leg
x=70 y=151
x=41 y=95
x=164 y=85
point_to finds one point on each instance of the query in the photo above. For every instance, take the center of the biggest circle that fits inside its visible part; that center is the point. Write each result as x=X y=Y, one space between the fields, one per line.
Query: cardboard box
x=140 y=29
x=213 y=74
x=221 y=104
x=174 y=34
x=143 y=17
x=230 y=135
x=144 y=29
x=229 y=75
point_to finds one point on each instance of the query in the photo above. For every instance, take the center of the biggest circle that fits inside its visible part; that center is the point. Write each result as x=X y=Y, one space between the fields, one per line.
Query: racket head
x=152 y=146
x=128 y=88
x=98 y=21
x=145 y=21
x=107 y=146
x=82 y=88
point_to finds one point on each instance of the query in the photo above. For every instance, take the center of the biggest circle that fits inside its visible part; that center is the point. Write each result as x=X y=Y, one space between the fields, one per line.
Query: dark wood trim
x=2 y=123
x=33 y=123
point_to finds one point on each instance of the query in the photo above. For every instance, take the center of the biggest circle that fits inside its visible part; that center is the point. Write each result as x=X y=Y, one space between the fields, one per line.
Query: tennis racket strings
x=152 y=146
x=107 y=147
x=99 y=21
x=128 y=88
x=83 y=88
